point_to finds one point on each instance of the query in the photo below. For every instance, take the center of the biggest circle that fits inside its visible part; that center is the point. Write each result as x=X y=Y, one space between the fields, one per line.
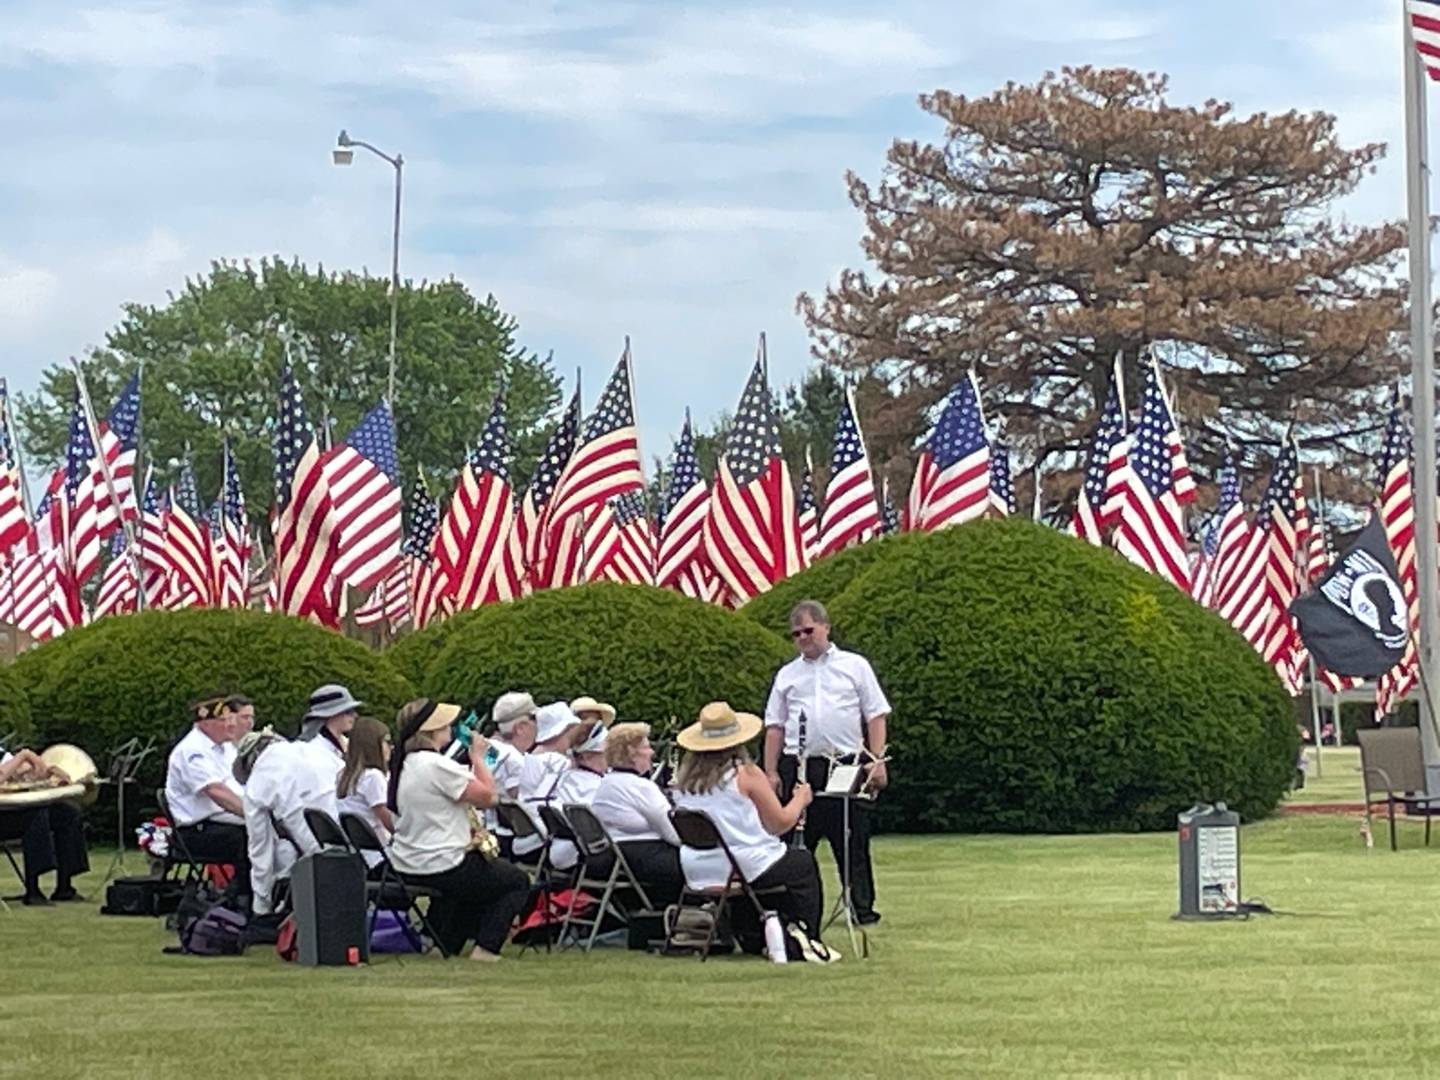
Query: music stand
x=848 y=782
x=125 y=761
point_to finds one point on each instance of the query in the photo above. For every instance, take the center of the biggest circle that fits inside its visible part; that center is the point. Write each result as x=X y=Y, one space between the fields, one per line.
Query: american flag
x=1103 y=493
x=682 y=564
x=1279 y=520
x=1425 y=31
x=852 y=515
x=35 y=579
x=752 y=534
x=230 y=538
x=303 y=525
x=809 y=513
x=153 y=515
x=1397 y=511
x=1222 y=540
x=889 y=519
x=952 y=477
x=1202 y=564
x=118 y=590
x=552 y=548
x=1002 y=487
x=428 y=594
x=363 y=475
x=606 y=462
x=1151 y=532
x=620 y=541
x=74 y=522
x=13 y=526
x=119 y=441
x=477 y=523
x=187 y=546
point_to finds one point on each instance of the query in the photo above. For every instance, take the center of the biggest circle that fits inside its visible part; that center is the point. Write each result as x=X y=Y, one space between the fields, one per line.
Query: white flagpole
x=1319 y=523
x=9 y=421
x=1422 y=359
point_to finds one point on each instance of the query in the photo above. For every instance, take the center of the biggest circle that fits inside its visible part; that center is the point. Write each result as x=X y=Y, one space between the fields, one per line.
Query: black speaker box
x=327 y=891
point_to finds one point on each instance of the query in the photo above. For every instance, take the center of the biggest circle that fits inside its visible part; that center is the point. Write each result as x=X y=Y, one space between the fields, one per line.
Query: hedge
x=652 y=653
x=132 y=675
x=826 y=579
x=1043 y=685
x=413 y=654
x=14 y=709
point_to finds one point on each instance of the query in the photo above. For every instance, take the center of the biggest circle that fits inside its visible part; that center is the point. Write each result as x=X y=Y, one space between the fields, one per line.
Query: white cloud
x=28 y=297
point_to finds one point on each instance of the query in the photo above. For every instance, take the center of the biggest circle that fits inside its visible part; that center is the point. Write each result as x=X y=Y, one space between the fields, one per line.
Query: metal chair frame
x=593 y=841
x=362 y=838
x=698 y=830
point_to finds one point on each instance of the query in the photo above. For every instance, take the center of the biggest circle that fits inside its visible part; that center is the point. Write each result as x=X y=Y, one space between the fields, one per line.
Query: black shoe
x=867 y=918
x=35 y=900
x=67 y=896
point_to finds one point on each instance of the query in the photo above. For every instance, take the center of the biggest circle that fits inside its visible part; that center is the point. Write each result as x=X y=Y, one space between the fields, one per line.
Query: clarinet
x=797 y=836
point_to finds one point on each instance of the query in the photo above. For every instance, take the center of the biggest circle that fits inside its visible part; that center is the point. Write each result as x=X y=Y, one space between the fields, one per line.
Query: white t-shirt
x=576 y=785
x=371 y=790
x=197 y=762
x=539 y=774
x=432 y=829
x=632 y=807
x=835 y=691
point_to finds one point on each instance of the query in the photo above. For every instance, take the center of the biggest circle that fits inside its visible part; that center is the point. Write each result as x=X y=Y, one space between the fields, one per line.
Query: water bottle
x=775 y=938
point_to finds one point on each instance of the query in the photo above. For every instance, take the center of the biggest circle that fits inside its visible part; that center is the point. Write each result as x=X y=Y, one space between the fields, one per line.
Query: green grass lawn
x=1336 y=778
x=1014 y=957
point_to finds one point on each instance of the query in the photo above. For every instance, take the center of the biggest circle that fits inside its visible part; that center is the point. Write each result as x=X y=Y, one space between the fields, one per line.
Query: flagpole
x=15 y=443
x=1319 y=524
x=1422 y=359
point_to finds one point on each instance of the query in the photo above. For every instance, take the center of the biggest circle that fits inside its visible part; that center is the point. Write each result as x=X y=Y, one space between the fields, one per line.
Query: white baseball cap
x=553 y=720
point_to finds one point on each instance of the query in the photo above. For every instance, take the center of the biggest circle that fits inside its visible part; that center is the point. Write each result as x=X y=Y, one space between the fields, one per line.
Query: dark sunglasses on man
x=801 y=631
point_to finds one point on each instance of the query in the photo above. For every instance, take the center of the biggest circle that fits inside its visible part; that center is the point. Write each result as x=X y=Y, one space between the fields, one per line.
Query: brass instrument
x=77 y=781
x=481 y=838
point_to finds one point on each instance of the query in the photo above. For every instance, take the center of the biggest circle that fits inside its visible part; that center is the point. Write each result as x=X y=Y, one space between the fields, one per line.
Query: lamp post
x=344 y=154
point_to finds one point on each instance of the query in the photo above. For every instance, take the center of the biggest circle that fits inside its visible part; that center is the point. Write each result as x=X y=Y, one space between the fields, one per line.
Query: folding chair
x=557 y=828
x=524 y=823
x=1392 y=767
x=594 y=842
x=179 y=855
x=698 y=831
x=392 y=892
x=325 y=829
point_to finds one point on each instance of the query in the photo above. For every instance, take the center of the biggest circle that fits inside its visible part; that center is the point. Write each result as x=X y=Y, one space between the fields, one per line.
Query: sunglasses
x=801 y=631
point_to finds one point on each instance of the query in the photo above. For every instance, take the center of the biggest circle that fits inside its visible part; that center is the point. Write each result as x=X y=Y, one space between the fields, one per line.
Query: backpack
x=218 y=932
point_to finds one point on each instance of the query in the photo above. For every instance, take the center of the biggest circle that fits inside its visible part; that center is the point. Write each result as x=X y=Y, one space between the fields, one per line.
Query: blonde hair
x=702 y=771
x=622 y=741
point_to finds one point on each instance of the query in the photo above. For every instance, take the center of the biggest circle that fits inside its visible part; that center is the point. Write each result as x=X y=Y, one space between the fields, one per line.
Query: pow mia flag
x=1355 y=621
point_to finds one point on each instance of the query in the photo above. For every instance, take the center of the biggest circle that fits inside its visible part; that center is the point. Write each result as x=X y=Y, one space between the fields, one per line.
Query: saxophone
x=481 y=838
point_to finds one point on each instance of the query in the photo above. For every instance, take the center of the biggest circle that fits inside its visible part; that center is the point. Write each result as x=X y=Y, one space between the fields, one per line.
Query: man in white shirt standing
x=204 y=795
x=845 y=717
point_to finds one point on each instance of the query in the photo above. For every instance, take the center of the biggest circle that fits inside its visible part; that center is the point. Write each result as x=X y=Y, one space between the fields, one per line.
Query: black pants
x=803 y=900
x=478 y=901
x=825 y=817
x=657 y=866
x=51 y=838
x=218 y=842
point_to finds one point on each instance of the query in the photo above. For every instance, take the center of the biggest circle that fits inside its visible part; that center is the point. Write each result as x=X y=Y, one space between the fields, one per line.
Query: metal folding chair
x=179 y=856
x=326 y=829
x=613 y=884
x=392 y=892
x=698 y=830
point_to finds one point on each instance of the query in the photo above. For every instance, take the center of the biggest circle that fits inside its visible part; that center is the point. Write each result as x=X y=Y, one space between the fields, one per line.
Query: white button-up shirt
x=835 y=691
x=282 y=785
x=197 y=762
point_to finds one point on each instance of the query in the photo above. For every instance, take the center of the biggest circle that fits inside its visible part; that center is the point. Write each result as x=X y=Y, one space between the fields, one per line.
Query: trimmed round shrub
x=1043 y=685
x=14 y=708
x=413 y=654
x=651 y=653
x=132 y=676
x=823 y=581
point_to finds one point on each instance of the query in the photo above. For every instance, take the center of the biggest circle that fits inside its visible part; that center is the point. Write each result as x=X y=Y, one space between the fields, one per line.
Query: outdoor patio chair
x=1392 y=767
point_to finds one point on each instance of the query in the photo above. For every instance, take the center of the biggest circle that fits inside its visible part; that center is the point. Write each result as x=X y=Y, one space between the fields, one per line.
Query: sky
x=672 y=171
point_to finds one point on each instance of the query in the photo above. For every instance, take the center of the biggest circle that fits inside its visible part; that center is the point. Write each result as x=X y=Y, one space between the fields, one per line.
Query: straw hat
x=719 y=728
x=443 y=715
x=587 y=703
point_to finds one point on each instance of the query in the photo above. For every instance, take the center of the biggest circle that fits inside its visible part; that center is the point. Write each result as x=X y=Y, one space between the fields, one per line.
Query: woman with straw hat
x=718 y=778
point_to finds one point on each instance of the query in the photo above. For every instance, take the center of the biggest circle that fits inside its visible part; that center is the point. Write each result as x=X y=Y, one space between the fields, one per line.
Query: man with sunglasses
x=845 y=718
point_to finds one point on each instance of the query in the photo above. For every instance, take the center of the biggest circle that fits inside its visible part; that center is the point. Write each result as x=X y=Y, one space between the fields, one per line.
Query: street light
x=344 y=154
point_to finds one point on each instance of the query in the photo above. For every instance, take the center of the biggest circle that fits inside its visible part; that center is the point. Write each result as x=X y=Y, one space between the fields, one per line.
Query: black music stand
x=125 y=761
x=848 y=783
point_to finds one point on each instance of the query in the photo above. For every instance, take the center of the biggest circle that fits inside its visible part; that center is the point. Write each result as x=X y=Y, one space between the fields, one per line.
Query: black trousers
x=657 y=866
x=803 y=899
x=825 y=817
x=219 y=842
x=477 y=901
x=51 y=838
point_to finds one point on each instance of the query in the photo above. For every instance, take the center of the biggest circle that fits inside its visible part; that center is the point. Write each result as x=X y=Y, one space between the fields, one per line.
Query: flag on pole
x=477 y=523
x=1002 y=487
x=552 y=545
x=153 y=563
x=606 y=461
x=1425 y=31
x=118 y=589
x=809 y=513
x=119 y=442
x=1397 y=514
x=230 y=536
x=681 y=563
x=620 y=542
x=303 y=526
x=852 y=515
x=428 y=592
x=889 y=519
x=187 y=546
x=363 y=477
x=1279 y=520
x=13 y=524
x=1151 y=531
x=752 y=533
x=952 y=478
x=1102 y=494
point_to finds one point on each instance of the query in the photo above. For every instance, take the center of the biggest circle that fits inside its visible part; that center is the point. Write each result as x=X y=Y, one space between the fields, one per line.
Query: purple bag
x=392 y=934
x=218 y=932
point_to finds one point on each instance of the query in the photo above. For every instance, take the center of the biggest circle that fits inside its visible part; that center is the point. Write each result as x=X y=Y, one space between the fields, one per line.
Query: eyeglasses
x=801 y=631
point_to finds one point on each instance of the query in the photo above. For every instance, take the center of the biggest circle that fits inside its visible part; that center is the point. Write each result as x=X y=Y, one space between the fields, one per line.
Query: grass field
x=1014 y=957
x=1336 y=779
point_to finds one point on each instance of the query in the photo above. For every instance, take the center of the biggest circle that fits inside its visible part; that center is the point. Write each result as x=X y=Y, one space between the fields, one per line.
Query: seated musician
x=432 y=798
x=636 y=813
x=51 y=836
x=514 y=718
x=364 y=782
x=578 y=785
x=279 y=784
x=204 y=796
x=328 y=719
x=718 y=777
x=540 y=773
